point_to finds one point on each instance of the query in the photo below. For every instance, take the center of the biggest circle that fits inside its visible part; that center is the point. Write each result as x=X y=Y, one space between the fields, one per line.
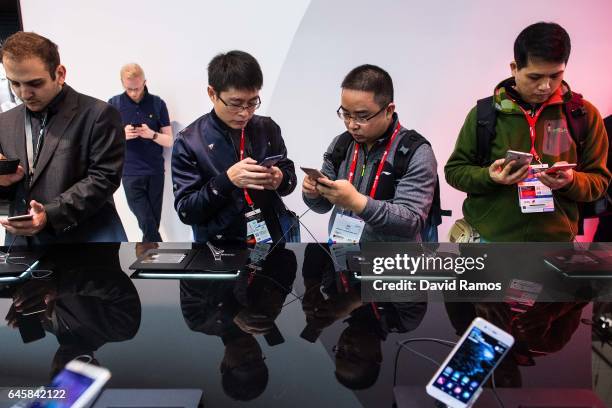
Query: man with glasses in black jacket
x=222 y=185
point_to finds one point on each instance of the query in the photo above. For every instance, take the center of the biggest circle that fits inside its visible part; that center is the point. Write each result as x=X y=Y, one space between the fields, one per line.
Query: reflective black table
x=291 y=332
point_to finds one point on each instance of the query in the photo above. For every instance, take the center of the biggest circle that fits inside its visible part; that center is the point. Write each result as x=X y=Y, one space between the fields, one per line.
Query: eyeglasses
x=250 y=107
x=360 y=120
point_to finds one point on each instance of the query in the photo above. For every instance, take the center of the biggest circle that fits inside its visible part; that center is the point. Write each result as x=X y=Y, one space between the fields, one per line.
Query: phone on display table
x=8 y=166
x=24 y=217
x=76 y=386
x=271 y=161
x=459 y=380
x=521 y=159
x=136 y=124
x=312 y=173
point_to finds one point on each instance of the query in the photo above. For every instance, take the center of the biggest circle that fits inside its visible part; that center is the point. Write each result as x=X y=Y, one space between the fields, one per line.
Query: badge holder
x=257 y=230
x=346 y=229
x=533 y=195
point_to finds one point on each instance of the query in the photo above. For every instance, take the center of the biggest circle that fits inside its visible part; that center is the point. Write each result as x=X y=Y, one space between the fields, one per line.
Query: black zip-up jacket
x=204 y=196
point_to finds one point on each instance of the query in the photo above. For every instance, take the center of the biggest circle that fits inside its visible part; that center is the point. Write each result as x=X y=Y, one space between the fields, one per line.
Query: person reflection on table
x=358 y=353
x=85 y=304
x=542 y=329
x=237 y=311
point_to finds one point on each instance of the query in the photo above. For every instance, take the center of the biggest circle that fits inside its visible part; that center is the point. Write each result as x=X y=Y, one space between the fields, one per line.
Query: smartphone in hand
x=23 y=217
x=520 y=158
x=313 y=173
x=270 y=161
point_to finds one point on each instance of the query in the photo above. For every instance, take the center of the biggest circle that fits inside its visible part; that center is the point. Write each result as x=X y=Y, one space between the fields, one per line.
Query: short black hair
x=234 y=69
x=246 y=382
x=361 y=377
x=542 y=41
x=370 y=78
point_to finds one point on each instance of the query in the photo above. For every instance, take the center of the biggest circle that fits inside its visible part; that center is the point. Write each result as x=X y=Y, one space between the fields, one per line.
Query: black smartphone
x=23 y=217
x=30 y=328
x=136 y=124
x=312 y=173
x=8 y=166
x=274 y=336
x=310 y=333
x=271 y=161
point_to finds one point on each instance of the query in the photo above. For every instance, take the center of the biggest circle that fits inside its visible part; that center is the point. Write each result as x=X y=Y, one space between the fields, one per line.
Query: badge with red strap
x=348 y=229
x=533 y=195
x=257 y=230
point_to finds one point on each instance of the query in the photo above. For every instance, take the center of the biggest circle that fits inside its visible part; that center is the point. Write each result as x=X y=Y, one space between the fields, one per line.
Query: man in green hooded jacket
x=530 y=117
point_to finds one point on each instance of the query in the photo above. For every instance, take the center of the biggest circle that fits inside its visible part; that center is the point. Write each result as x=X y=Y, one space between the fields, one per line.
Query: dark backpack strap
x=576 y=117
x=486 y=117
x=409 y=143
x=338 y=153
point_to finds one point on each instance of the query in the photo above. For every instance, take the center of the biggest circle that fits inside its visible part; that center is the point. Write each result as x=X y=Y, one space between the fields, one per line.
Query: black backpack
x=409 y=143
x=575 y=114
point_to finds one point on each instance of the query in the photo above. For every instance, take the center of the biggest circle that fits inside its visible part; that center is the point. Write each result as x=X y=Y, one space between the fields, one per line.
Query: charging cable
x=402 y=345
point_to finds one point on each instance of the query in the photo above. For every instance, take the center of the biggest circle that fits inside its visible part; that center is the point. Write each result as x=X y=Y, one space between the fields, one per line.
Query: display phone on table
x=521 y=159
x=459 y=380
x=76 y=386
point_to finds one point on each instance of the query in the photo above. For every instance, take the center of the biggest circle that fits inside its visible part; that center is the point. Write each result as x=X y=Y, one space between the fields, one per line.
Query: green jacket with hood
x=493 y=209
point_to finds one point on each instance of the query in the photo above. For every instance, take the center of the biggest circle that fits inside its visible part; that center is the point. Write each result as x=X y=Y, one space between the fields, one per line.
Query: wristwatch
x=154 y=135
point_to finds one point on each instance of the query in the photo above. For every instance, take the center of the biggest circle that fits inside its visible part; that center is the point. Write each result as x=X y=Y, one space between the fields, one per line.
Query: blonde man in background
x=147 y=132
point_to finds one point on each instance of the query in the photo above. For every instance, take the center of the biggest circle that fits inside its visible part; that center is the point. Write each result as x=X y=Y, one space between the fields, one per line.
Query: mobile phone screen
x=74 y=384
x=470 y=366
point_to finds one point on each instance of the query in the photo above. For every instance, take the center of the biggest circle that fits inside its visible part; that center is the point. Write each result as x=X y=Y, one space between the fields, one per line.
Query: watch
x=154 y=135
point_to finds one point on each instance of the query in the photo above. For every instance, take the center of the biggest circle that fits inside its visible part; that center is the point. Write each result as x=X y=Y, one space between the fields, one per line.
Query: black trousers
x=604 y=229
x=145 y=196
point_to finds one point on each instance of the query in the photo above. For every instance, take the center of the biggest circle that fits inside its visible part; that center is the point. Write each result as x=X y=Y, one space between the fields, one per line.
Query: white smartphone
x=559 y=167
x=459 y=380
x=521 y=158
x=76 y=386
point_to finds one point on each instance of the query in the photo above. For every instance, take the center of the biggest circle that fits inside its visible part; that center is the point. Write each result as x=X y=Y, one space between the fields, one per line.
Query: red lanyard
x=346 y=286
x=532 y=120
x=246 y=193
x=351 y=176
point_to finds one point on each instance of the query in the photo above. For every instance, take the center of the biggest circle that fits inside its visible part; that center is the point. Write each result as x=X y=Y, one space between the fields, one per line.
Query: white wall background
x=442 y=56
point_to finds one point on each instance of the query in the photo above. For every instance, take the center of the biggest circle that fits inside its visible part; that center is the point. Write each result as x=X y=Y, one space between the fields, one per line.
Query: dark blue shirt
x=143 y=157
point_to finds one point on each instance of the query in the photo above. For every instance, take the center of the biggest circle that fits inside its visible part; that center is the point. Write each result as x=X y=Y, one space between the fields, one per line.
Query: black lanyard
x=34 y=153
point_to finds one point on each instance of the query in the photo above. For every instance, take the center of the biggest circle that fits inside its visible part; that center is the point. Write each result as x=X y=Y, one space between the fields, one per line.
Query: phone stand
x=440 y=404
x=217 y=252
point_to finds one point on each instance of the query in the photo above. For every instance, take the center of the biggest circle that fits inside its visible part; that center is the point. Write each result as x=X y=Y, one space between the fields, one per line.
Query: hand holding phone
x=8 y=166
x=520 y=159
x=559 y=167
x=23 y=217
x=314 y=174
x=309 y=185
x=270 y=161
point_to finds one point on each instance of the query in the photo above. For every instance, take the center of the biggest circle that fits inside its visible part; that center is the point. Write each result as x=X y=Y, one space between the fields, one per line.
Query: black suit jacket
x=78 y=170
